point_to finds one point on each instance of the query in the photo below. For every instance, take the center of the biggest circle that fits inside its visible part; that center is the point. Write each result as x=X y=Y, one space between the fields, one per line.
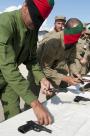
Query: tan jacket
x=54 y=58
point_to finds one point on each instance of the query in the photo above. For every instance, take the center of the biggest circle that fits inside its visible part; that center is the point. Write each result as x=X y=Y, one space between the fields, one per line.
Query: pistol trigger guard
x=36 y=129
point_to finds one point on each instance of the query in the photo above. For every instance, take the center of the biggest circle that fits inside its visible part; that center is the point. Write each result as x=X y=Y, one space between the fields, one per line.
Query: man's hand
x=43 y=116
x=83 y=61
x=46 y=87
x=71 y=80
x=79 y=77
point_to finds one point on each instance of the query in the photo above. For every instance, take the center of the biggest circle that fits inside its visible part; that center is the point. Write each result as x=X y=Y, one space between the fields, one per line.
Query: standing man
x=58 y=26
x=18 y=38
x=59 y=23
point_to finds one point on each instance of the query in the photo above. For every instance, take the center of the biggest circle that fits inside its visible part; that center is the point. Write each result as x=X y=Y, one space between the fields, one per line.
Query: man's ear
x=24 y=7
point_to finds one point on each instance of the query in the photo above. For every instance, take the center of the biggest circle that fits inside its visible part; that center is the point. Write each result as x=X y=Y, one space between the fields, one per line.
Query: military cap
x=60 y=18
x=39 y=10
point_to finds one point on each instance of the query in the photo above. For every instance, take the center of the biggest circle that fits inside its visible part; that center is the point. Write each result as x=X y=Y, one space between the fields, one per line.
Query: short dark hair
x=72 y=22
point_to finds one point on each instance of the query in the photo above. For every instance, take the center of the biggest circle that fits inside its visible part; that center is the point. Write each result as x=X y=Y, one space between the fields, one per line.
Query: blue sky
x=68 y=8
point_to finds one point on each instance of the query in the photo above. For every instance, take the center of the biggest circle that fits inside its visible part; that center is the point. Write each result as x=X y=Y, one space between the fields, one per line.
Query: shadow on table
x=57 y=100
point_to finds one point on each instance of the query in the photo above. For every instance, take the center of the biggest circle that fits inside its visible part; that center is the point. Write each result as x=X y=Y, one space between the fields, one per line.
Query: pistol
x=80 y=98
x=31 y=125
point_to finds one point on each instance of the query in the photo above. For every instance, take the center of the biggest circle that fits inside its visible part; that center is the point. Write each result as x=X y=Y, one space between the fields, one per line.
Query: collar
x=20 y=21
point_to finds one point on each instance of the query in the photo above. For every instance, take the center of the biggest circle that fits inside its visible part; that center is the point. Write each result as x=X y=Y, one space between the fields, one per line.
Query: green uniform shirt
x=17 y=45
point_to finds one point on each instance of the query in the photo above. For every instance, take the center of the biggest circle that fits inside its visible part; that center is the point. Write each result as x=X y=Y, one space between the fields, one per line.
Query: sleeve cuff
x=29 y=98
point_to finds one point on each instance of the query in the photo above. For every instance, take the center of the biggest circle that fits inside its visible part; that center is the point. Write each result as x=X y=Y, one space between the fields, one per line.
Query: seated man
x=59 y=48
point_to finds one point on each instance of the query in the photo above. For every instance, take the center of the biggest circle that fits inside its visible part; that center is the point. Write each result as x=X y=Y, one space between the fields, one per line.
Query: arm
x=8 y=65
x=33 y=65
x=36 y=76
x=74 y=59
x=11 y=74
x=47 y=54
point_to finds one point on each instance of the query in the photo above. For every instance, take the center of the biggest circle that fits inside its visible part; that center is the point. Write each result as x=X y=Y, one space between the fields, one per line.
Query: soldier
x=18 y=37
x=80 y=67
x=60 y=48
x=88 y=47
x=59 y=23
x=58 y=26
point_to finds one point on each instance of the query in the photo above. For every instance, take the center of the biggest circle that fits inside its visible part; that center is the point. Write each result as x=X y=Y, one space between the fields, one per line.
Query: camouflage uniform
x=82 y=51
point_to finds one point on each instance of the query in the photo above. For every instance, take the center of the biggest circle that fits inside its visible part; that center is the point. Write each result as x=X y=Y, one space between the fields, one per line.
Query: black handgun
x=86 y=87
x=31 y=125
x=55 y=90
x=80 y=98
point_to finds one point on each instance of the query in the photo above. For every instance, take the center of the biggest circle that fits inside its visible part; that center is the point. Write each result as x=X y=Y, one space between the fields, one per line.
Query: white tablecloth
x=70 y=118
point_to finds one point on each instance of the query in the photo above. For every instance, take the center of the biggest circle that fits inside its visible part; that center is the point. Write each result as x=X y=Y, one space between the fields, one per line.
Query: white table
x=70 y=118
